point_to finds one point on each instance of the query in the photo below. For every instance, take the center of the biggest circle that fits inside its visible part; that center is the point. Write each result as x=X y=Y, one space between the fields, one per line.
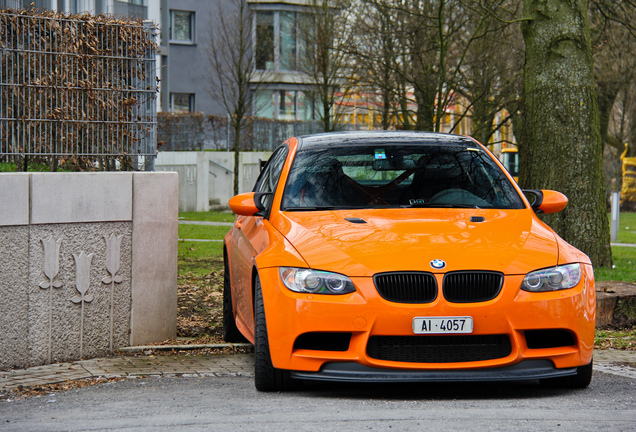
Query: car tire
x=266 y=377
x=581 y=380
x=231 y=332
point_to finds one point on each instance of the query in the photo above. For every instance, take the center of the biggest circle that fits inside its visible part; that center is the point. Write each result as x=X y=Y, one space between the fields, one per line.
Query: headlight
x=552 y=279
x=315 y=281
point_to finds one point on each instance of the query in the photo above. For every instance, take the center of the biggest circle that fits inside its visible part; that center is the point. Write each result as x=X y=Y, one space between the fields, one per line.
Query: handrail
x=227 y=170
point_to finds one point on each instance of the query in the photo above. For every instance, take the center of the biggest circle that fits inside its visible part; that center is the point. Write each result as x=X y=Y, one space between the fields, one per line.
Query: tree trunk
x=237 y=154
x=425 y=92
x=607 y=93
x=483 y=119
x=326 y=114
x=562 y=121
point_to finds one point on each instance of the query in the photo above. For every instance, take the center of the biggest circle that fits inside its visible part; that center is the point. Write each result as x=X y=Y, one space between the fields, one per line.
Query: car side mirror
x=248 y=204
x=546 y=201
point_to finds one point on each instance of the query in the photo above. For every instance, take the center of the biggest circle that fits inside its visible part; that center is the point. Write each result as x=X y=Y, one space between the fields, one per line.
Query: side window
x=268 y=179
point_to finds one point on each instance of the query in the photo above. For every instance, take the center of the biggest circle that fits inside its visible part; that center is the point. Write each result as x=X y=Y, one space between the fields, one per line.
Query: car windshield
x=392 y=175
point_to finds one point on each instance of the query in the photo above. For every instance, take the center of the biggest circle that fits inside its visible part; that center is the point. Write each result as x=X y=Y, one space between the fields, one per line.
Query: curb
x=142 y=348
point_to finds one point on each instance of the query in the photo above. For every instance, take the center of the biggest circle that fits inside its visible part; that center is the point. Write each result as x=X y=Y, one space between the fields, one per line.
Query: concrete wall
x=89 y=264
x=209 y=176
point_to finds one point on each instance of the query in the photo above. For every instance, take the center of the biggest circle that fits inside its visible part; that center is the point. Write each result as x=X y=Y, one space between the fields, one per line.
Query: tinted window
x=268 y=178
x=397 y=176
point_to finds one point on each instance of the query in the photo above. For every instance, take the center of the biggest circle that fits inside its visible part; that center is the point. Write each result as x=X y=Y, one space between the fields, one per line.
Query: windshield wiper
x=311 y=208
x=441 y=205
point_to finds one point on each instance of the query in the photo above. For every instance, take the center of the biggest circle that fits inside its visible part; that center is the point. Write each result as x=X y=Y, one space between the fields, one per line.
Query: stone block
x=14 y=190
x=81 y=197
x=154 y=264
x=14 y=285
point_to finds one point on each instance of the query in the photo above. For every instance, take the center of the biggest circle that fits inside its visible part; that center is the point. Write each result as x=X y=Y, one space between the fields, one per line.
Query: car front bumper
x=364 y=314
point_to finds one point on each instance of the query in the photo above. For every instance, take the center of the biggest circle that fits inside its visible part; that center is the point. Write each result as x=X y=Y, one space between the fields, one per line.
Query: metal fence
x=178 y=132
x=82 y=88
x=122 y=8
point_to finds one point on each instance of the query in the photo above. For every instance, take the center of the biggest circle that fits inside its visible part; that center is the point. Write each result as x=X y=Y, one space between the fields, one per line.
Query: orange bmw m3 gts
x=403 y=257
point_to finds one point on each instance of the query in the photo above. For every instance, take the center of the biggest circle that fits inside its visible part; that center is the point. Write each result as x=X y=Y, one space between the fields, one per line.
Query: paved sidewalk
x=206 y=365
x=125 y=366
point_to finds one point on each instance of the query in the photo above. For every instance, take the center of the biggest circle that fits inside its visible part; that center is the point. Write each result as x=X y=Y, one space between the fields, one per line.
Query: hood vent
x=356 y=220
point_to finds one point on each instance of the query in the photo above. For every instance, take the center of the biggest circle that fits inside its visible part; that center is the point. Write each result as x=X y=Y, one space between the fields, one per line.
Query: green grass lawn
x=627 y=230
x=624 y=257
x=210 y=232
x=624 y=266
x=208 y=216
x=623 y=339
x=202 y=258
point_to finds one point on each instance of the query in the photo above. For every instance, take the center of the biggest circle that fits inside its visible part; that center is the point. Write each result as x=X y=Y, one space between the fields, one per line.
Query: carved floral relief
x=82 y=283
x=51 y=268
x=83 y=295
x=113 y=252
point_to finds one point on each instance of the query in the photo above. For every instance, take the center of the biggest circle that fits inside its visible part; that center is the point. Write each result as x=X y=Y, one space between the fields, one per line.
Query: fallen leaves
x=615 y=338
x=199 y=306
x=22 y=392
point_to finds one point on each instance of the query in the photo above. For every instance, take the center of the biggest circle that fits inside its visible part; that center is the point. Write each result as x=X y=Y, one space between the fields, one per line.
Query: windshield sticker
x=380 y=154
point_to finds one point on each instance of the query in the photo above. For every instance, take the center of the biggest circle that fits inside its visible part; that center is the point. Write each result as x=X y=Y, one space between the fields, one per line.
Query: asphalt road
x=232 y=404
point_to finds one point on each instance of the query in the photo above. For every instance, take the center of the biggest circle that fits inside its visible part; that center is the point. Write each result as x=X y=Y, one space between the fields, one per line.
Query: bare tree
x=326 y=39
x=423 y=47
x=491 y=76
x=377 y=55
x=233 y=73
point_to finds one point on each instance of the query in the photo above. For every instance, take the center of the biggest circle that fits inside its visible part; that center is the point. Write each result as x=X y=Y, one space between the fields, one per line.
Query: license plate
x=442 y=325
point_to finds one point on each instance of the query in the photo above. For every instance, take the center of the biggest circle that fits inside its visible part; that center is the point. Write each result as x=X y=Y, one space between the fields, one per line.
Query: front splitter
x=354 y=372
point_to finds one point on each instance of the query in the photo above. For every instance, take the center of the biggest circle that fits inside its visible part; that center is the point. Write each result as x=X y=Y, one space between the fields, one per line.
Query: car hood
x=381 y=240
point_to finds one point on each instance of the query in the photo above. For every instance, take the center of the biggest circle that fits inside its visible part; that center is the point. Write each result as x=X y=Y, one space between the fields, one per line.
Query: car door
x=251 y=239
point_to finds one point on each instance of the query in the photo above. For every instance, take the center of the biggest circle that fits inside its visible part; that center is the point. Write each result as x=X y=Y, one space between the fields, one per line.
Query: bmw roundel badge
x=438 y=264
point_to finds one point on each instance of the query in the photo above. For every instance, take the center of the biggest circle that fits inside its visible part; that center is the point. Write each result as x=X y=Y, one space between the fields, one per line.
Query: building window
x=288 y=40
x=287 y=105
x=182 y=27
x=278 y=42
x=181 y=102
x=306 y=106
x=264 y=104
x=265 y=41
x=284 y=105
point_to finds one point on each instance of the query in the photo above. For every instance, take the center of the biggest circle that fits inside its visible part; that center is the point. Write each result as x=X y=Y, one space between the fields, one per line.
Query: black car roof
x=340 y=139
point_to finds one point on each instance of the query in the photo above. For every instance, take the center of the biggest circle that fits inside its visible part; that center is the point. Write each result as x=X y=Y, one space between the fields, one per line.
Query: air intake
x=439 y=349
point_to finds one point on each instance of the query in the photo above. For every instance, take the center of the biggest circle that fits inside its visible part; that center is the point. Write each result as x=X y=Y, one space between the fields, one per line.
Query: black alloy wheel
x=266 y=377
